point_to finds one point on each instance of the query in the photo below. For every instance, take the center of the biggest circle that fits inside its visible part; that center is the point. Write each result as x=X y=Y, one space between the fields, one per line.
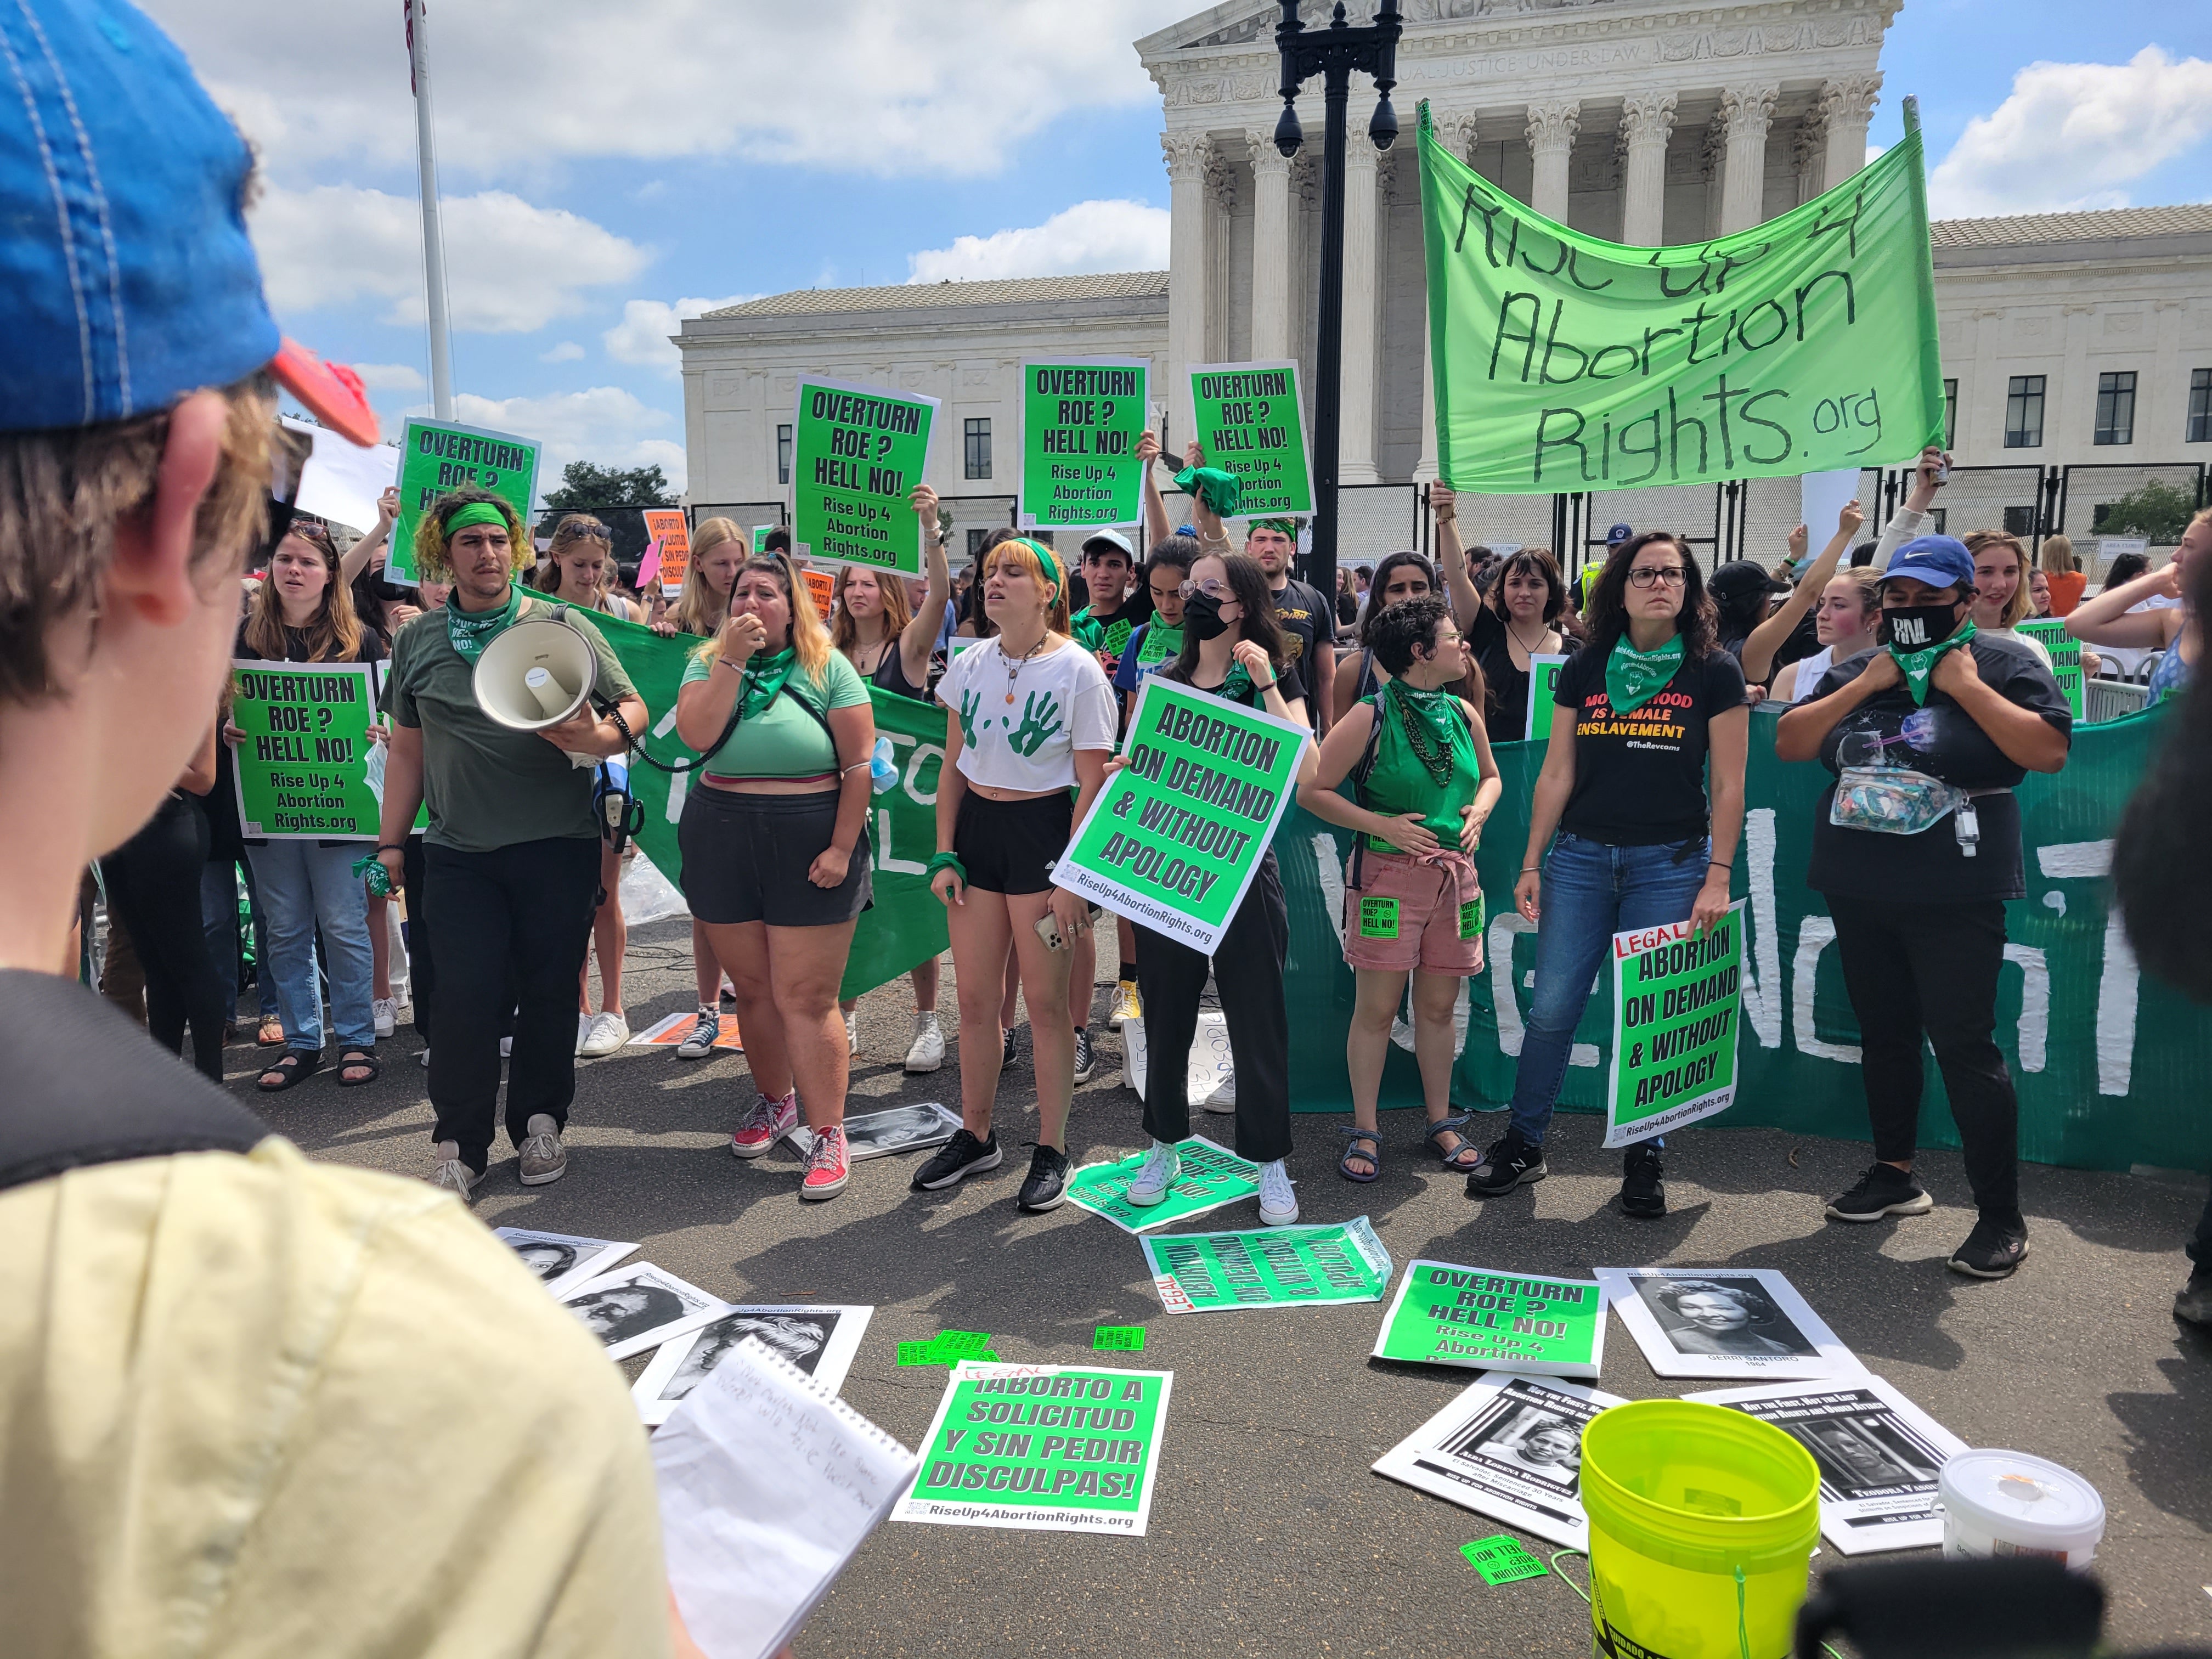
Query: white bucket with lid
x=2006 y=1502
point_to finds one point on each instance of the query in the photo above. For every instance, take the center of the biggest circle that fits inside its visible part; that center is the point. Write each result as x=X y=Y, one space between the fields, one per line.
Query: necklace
x=1526 y=649
x=1014 y=665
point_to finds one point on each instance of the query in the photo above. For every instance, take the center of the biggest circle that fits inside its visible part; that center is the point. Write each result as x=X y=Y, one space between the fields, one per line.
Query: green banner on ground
x=1080 y=422
x=2049 y=633
x=858 y=452
x=1564 y=362
x=303 y=770
x=1490 y=1321
x=1674 y=1026
x=1042 y=1449
x=1252 y=422
x=1176 y=836
x=1269 y=1267
x=1212 y=1177
x=437 y=456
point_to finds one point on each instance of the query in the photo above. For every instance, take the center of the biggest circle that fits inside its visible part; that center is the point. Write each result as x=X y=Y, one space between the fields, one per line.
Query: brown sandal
x=271 y=1034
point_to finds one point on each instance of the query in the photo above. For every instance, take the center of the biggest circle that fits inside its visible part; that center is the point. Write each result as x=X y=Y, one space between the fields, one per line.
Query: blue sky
x=597 y=174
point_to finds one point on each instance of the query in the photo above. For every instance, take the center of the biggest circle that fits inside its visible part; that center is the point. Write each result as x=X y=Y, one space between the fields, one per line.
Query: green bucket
x=1702 y=1523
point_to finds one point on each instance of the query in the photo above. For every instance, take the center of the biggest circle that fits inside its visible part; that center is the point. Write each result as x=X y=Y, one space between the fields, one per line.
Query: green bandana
x=1288 y=526
x=1919 y=666
x=471 y=632
x=476 y=513
x=1055 y=571
x=764 y=680
x=1633 y=678
x=1434 y=729
x=1160 y=642
x=1236 y=687
x=1220 y=490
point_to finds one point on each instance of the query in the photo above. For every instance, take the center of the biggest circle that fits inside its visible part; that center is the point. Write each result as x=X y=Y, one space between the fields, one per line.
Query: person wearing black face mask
x=1916 y=847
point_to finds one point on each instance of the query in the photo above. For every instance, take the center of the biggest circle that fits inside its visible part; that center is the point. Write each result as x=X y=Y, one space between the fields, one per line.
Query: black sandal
x=358 y=1059
x=295 y=1066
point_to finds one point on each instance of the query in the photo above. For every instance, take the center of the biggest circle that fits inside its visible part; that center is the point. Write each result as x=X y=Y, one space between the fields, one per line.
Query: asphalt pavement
x=1268 y=1531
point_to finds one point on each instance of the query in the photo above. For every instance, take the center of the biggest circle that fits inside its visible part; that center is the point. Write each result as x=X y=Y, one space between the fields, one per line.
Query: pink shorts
x=1414 y=913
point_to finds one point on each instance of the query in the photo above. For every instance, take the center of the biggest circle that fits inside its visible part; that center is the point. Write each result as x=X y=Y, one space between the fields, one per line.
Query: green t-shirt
x=1401 y=782
x=486 y=785
x=783 y=740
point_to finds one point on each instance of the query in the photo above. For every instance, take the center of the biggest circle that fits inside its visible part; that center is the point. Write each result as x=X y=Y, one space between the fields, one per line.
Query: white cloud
x=511 y=267
x=2072 y=135
x=389 y=377
x=885 y=87
x=605 y=425
x=641 y=337
x=1089 y=236
x=567 y=352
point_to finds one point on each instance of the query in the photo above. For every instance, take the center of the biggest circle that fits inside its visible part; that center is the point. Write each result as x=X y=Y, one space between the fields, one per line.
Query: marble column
x=1847 y=104
x=1271 y=248
x=1749 y=112
x=1221 y=203
x=1808 y=153
x=1360 y=401
x=1646 y=119
x=1551 y=129
x=1185 y=154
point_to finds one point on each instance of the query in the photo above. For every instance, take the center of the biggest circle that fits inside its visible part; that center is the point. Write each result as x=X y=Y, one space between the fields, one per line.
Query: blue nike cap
x=1939 y=561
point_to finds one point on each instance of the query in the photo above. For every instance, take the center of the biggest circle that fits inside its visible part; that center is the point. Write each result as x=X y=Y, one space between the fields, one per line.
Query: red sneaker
x=827 y=1171
x=768 y=1123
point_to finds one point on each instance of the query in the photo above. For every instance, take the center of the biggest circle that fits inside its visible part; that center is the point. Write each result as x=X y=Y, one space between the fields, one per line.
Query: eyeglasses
x=1671 y=575
x=1212 y=586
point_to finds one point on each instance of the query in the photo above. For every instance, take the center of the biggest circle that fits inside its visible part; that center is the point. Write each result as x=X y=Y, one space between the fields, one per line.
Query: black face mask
x=1201 y=616
x=1917 y=627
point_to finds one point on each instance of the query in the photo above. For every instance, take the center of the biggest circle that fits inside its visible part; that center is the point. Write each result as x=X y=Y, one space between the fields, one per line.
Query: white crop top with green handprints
x=1062 y=702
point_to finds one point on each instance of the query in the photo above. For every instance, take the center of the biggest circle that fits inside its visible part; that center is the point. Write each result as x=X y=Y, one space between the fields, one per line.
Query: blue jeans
x=219 y=912
x=302 y=885
x=1592 y=891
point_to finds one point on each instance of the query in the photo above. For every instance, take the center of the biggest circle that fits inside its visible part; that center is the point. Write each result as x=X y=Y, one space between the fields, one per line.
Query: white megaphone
x=537 y=673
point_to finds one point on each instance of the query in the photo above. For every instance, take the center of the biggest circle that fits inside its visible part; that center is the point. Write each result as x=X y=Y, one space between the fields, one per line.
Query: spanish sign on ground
x=1493 y=1321
x=302 y=770
x=1080 y=423
x=1252 y=423
x=1212 y=1177
x=2049 y=633
x=1566 y=362
x=1675 y=1026
x=437 y=456
x=1042 y=1449
x=1269 y=1267
x=858 y=452
x=1176 y=836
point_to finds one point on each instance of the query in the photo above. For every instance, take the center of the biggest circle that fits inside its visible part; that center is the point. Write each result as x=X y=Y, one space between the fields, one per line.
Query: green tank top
x=1402 y=781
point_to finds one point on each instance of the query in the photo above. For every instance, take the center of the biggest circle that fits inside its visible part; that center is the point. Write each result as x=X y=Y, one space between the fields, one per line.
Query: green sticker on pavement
x=1212 y=1177
x=1269 y=1267
x=1080 y=423
x=1378 y=918
x=1488 y=1319
x=1123 y=1339
x=947 y=1348
x=1501 y=1560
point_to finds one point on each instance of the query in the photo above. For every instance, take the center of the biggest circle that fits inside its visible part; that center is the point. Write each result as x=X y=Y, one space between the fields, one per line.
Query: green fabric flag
x=1564 y=362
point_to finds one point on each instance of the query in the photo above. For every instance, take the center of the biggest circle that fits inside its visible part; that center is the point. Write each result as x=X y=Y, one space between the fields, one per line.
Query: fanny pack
x=1892 y=800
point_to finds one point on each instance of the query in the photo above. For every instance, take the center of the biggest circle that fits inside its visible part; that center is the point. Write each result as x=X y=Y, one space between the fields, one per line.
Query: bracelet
x=398 y=846
x=1531 y=869
x=1718 y=864
x=945 y=861
x=1268 y=687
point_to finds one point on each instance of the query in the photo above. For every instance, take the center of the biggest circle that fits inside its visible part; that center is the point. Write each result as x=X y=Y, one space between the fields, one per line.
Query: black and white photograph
x=1879 y=1455
x=563 y=1261
x=1723 y=1321
x=641 y=1307
x=1509 y=1447
x=820 y=1341
x=879 y=1135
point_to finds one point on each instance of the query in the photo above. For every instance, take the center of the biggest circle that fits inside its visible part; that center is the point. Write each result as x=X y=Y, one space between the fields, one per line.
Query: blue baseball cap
x=126 y=277
x=1939 y=561
x=1618 y=534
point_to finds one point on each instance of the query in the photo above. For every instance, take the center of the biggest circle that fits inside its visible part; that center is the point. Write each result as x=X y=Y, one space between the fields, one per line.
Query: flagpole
x=434 y=239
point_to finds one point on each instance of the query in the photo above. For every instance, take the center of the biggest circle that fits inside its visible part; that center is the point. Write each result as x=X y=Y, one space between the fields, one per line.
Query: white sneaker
x=1162 y=1165
x=605 y=1034
x=927 y=1052
x=1278 y=1205
x=583 y=1032
x=699 y=1041
x=385 y=1013
x=455 y=1177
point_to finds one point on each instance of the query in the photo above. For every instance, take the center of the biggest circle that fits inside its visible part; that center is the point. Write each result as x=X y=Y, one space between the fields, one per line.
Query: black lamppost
x=1334 y=53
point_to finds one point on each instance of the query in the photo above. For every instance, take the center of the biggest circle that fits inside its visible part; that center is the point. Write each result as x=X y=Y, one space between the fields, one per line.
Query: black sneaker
x=963 y=1155
x=1047 y=1186
x=1082 y=1058
x=1992 y=1250
x=1884 y=1189
x=1510 y=1161
x=1006 y=1058
x=1643 y=1195
x=2194 y=1301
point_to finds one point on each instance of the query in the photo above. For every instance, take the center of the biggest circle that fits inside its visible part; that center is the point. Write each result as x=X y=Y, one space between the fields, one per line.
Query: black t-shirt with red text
x=1640 y=779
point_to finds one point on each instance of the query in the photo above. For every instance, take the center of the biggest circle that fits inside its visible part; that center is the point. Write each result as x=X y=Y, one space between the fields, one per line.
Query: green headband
x=474 y=514
x=1288 y=526
x=1049 y=560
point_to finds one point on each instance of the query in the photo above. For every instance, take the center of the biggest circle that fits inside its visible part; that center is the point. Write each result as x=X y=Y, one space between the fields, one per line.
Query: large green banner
x=302 y=770
x=1674 y=1026
x=1563 y=363
x=1269 y=1267
x=1080 y=423
x=437 y=456
x=1253 y=424
x=859 y=453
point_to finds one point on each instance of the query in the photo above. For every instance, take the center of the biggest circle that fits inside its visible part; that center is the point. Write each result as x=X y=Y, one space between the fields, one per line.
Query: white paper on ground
x=640 y=1306
x=1212 y=1079
x=768 y=1487
x=1821 y=496
x=1743 y=1323
x=563 y=1261
x=895 y=1129
x=1879 y=1455
x=820 y=1339
x=341 y=480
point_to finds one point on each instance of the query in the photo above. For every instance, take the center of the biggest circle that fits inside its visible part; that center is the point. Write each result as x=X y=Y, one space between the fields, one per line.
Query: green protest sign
x=302 y=770
x=1565 y=362
x=1675 y=1026
x=1543 y=680
x=1252 y=422
x=1212 y=1177
x=1080 y=422
x=1269 y=1267
x=760 y=534
x=436 y=456
x=2049 y=633
x=1491 y=1320
x=858 y=452
x=1042 y=1449
x=1176 y=836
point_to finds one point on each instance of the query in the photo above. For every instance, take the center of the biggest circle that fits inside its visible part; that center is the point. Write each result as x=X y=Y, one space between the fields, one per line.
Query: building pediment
x=1239 y=22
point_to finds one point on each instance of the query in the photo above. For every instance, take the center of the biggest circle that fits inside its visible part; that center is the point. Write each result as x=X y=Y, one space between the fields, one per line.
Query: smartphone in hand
x=1048 y=929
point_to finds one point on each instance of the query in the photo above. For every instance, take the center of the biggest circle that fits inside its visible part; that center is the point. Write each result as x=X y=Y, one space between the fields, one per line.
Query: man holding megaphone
x=485 y=735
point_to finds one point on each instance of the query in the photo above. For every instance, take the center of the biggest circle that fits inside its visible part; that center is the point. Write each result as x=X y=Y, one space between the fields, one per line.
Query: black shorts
x=745 y=858
x=1005 y=844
